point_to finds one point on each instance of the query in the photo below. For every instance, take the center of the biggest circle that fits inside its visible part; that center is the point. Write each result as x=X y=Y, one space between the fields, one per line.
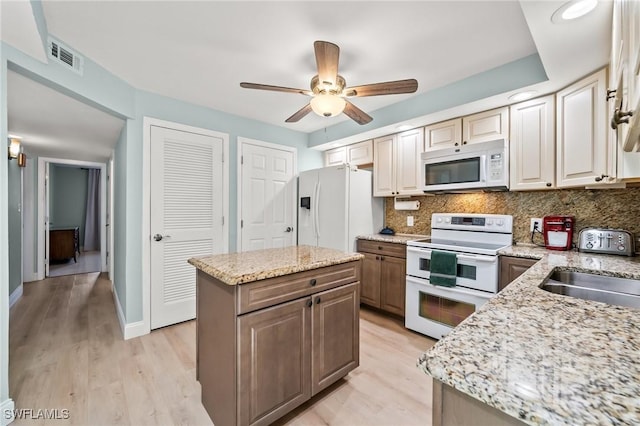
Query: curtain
x=92 y=221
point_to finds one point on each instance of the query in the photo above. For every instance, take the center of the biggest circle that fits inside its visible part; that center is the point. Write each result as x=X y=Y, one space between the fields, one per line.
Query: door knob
x=159 y=237
x=289 y=229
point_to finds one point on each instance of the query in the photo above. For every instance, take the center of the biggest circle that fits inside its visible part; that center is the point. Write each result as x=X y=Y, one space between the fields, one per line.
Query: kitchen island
x=274 y=328
x=534 y=357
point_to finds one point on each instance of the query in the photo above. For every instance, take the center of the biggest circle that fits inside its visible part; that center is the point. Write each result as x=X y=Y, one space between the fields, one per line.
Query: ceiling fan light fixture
x=326 y=105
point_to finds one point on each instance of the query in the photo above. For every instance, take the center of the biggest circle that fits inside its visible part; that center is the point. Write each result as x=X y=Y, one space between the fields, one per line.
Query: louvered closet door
x=186 y=218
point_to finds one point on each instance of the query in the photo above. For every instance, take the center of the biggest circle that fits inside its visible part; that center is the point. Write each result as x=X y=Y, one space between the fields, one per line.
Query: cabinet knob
x=318 y=300
x=455 y=144
x=379 y=247
x=312 y=282
x=377 y=257
x=601 y=177
x=549 y=184
x=381 y=257
x=309 y=303
x=464 y=142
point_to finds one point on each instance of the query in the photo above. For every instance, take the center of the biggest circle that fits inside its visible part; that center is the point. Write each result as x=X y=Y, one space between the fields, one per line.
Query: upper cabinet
x=532 y=145
x=396 y=164
x=584 y=155
x=486 y=126
x=357 y=154
x=443 y=135
x=625 y=72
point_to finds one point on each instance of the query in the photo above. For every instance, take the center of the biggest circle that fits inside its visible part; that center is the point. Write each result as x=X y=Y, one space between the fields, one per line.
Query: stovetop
x=460 y=246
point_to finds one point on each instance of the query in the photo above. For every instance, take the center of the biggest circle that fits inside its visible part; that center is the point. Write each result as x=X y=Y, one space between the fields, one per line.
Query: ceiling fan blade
x=275 y=88
x=327 y=55
x=386 y=88
x=299 y=114
x=356 y=114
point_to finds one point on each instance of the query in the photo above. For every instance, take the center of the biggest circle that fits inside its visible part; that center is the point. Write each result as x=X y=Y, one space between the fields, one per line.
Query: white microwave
x=482 y=166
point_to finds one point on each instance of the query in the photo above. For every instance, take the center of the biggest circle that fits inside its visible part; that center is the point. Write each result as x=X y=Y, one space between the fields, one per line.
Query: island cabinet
x=383 y=275
x=511 y=268
x=265 y=347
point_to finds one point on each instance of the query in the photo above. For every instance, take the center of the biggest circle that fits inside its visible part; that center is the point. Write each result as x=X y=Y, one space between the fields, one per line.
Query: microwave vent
x=65 y=56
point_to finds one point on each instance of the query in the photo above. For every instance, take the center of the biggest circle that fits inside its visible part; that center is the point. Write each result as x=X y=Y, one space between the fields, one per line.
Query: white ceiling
x=55 y=125
x=200 y=51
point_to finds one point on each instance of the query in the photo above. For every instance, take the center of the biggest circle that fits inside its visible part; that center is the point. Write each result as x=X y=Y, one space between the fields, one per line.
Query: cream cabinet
x=532 y=145
x=625 y=70
x=396 y=164
x=585 y=155
x=357 y=154
x=443 y=135
x=486 y=126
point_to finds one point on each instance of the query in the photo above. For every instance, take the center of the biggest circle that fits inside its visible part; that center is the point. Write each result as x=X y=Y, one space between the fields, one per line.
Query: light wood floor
x=66 y=352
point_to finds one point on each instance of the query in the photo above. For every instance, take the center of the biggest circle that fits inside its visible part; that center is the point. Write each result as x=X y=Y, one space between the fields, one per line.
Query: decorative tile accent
x=614 y=208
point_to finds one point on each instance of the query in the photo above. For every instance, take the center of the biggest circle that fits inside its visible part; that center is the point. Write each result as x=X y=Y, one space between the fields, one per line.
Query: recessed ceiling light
x=573 y=9
x=521 y=96
x=12 y=136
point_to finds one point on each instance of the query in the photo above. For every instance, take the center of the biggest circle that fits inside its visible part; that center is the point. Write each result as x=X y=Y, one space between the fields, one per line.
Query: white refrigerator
x=335 y=205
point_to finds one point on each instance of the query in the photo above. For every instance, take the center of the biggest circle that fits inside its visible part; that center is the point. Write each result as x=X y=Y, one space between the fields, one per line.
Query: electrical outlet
x=536 y=223
x=409 y=220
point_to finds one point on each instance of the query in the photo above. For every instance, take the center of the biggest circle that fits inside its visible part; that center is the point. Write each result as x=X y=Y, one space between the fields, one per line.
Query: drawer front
x=265 y=293
x=386 y=249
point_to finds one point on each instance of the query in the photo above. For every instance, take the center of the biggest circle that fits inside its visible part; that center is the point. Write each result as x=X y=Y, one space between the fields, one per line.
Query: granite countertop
x=397 y=238
x=249 y=266
x=545 y=358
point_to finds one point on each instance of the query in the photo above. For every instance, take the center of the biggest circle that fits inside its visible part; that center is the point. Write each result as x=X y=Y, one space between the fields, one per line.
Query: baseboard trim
x=6 y=412
x=129 y=331
x=16 y=295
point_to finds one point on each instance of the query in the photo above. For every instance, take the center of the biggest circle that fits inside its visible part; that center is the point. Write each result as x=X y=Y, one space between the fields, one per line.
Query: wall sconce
x=14 y=153
x=14 y=149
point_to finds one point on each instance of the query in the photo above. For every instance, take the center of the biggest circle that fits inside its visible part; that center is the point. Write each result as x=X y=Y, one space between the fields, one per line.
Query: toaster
x=606 y=241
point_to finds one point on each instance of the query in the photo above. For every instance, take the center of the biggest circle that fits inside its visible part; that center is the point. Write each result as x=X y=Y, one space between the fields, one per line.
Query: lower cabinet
x=511 y=268
x=383 y=275
x=266 y=347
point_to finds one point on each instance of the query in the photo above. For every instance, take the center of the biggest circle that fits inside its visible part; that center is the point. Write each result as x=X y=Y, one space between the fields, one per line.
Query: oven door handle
x=454 y=290
x=487 y=259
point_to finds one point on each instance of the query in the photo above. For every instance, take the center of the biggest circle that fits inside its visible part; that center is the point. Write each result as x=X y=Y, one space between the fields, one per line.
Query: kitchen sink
x=599 y=288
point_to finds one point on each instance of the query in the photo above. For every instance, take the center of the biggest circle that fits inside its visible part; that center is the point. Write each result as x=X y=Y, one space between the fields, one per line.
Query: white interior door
x=47 y=189
x=186 y=217
x=268 y=189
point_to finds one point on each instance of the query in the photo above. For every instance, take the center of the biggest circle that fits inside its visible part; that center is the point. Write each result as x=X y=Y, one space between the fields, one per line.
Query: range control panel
x=607 y=241
x=473 y=222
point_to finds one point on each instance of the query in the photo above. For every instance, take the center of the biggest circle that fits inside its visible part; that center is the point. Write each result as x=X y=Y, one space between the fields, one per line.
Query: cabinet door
x=275 y=361
x=583 y=147
x=392 y=284
x=486 y=126
x=511 y=268
x=336 y=156
x=443 y=135
x=384 y=166
x=410 y=145
x=360 y=153
x=370 y=284
x=335 y=335
x=532 y=145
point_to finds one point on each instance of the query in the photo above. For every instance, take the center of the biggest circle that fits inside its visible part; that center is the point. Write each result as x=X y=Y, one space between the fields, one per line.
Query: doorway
x=64 y=233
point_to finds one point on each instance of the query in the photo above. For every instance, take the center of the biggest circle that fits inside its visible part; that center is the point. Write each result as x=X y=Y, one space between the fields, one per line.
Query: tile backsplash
x=612 y=208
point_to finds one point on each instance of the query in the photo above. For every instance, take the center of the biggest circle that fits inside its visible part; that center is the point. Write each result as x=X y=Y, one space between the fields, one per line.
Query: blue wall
x=15 y=224
x=69 y=195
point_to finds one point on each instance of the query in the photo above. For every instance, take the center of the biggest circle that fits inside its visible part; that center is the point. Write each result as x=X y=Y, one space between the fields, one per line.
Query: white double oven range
x=475 y=240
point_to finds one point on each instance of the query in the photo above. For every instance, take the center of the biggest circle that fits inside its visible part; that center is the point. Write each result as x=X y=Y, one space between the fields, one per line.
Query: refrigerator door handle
x=317 y=210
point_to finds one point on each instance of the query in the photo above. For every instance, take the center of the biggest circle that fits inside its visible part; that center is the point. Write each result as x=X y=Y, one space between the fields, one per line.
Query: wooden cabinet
x=511 y=268
x=357 y=154
x=64 y=244
x=396 y=164
x=383 y=275
x=486 y=126
x=584 y=154
x=265 y=347
x=532 y=145
x=443 y=135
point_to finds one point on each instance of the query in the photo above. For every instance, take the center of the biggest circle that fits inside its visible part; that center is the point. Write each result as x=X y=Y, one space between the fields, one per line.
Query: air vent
x=65 y=56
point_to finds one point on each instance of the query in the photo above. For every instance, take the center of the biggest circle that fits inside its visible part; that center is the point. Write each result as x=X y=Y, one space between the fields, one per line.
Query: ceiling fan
x=328 y=89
